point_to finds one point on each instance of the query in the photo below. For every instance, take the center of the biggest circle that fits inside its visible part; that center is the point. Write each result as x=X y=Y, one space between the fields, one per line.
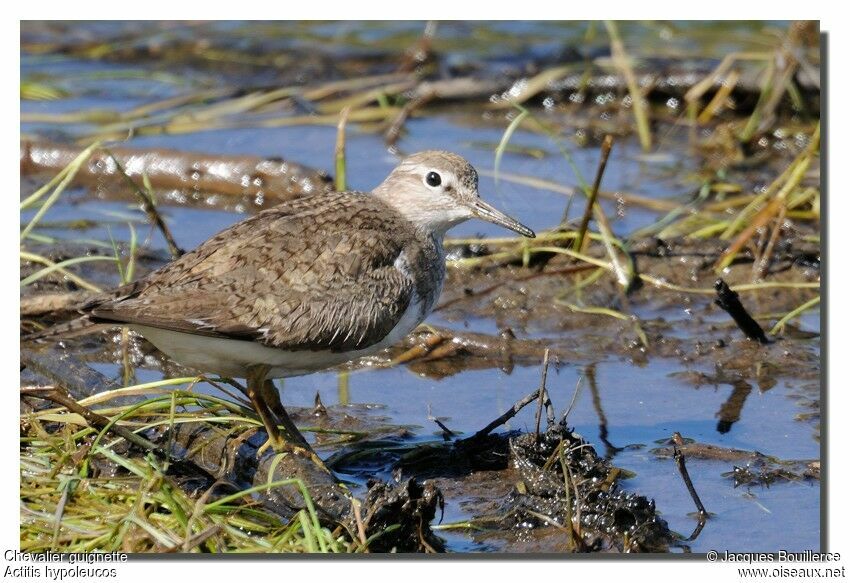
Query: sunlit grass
x=68 y=504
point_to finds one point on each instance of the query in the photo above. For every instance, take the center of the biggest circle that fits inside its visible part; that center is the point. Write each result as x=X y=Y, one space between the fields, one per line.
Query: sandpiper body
x=308 y=284
x=365 y=281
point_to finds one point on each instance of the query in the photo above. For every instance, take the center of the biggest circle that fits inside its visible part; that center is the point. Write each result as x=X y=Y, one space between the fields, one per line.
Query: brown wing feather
x=264 y=279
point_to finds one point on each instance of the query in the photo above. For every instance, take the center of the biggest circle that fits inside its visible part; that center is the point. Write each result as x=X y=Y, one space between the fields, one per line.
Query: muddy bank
x=562 y=481
x=184 y=177
x=509 y=484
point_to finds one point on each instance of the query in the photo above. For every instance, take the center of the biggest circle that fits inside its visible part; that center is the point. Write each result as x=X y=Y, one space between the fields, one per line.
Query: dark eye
x=433 y=179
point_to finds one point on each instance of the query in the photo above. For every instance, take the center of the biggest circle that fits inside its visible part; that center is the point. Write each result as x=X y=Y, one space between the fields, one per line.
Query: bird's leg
x=259 y=394
x=264 y=398
x=272 y=399
x=255 y=380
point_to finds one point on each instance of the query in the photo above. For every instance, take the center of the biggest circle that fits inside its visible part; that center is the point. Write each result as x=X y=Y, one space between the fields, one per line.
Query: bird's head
x=437 y=190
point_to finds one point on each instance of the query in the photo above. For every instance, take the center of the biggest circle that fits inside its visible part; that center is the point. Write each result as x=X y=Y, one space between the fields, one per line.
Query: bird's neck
x=428 y=216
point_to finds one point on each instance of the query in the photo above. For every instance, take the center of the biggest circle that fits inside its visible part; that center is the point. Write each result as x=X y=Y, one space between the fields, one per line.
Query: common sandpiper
x=306 y=285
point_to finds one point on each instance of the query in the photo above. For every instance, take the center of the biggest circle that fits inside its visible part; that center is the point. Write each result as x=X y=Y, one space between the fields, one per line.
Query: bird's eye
x=433 y=179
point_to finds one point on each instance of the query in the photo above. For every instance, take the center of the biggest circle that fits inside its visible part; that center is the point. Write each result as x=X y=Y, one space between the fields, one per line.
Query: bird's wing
x=296 y=277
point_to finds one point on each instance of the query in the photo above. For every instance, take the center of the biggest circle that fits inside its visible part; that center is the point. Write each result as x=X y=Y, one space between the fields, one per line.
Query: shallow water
x=642 y=404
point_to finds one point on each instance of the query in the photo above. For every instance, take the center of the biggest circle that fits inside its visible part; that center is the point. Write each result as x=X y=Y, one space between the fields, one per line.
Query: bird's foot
x=278 y=444
x=281 y=445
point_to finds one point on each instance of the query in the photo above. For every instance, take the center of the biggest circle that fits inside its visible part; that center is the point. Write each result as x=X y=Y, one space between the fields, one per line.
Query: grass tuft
x=81 y=492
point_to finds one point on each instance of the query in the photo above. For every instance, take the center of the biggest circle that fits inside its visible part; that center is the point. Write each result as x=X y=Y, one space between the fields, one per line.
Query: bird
x=308 y=284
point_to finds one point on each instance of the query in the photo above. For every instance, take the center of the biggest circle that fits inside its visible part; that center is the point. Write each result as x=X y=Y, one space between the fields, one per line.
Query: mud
x=750 y=468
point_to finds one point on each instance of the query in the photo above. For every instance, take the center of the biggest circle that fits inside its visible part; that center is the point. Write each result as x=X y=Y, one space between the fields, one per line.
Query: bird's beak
x=491 y=214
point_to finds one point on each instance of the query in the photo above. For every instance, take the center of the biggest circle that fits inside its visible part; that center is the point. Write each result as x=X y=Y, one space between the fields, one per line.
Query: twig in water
x=165 y=169
x=541 y=394
x=149 y=209
x=573 y=400
x=607 y=143
x=730 y=410
x=683 y=471
x=504 y=417
x=447 y=433
x=731 y=303
x=236 y=385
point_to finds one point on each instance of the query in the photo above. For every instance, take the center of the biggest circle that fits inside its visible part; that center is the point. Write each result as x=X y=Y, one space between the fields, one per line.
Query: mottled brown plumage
x=307 y=284
x=316 y=273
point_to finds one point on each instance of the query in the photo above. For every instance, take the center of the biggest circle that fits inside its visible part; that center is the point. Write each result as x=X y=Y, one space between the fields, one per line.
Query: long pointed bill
x=493 y=215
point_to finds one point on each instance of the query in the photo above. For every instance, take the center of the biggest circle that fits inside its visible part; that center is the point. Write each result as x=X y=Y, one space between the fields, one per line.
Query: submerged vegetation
x=111 y=463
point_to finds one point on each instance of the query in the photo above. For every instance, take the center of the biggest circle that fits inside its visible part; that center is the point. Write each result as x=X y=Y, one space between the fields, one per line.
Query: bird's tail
x=66 y=330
